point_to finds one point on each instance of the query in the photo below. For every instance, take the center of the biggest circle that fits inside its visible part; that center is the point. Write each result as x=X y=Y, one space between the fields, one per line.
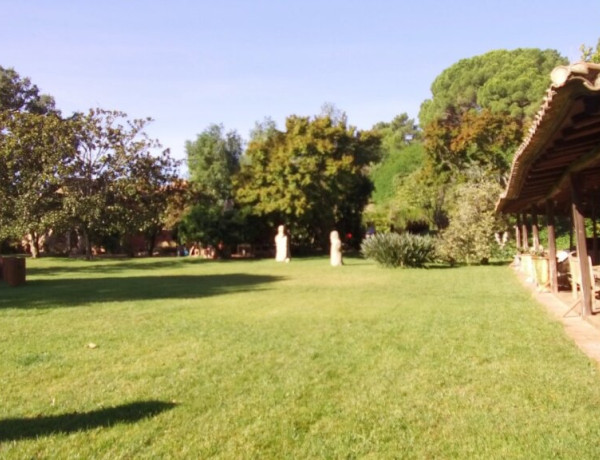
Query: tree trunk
x=151 y=243
x=88 y=246
x=34 y=247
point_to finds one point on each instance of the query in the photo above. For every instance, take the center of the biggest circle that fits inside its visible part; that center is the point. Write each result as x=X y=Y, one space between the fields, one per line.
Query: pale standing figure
x=336 y=249
x=282 y=253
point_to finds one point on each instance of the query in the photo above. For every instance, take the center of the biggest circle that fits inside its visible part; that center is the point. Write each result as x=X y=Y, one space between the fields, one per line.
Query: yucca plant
x=398 y=250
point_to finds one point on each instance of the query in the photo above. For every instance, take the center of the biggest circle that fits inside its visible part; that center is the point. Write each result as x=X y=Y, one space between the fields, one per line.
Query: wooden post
x=552 y=246
x=582 y=253
x=535 y=231
x=571 y=227
x=595 y=233
x=524 y=235
x=518 y=233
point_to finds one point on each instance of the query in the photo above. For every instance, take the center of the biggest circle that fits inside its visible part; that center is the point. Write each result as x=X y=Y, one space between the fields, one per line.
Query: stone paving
x=585 y=332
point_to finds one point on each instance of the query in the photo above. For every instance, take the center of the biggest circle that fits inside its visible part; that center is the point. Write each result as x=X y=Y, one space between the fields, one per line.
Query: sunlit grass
x=254 y=359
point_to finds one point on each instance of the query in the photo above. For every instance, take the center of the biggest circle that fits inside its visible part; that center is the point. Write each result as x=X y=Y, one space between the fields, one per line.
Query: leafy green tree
x=145 y=193
x=387 y=174
x=18 y=94
x=263 y=130
x=401 y=132
x=213 y=158
x=590 y=54
x=402 y=153
x=35 y=150
x=312 y=176
x=512 y=82
x=110 y=151
x=469 y=237
x=475 y=120
x=31 y=150
x=482 y=139
x=208 y=224
x=421 y=196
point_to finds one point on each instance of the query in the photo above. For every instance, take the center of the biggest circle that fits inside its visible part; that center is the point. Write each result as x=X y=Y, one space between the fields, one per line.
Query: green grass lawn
x=254 y=359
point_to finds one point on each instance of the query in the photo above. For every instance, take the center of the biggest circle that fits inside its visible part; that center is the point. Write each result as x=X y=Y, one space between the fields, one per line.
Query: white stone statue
x=282 y=248
x=336 y=249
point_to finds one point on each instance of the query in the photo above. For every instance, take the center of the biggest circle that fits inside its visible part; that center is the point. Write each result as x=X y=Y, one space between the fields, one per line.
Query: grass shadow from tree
x=71 y=292
x=15 y=429
x=107 y=266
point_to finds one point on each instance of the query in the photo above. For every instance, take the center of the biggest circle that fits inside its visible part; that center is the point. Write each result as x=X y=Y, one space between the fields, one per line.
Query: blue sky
x=188 y=64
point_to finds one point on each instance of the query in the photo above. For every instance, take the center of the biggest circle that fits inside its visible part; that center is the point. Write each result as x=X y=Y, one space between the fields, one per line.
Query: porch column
x=535 y=231
x=582 y=253
x=518 y=233
x=571 y=226
x=552 y=246
x=524 y=235
x=595 y=233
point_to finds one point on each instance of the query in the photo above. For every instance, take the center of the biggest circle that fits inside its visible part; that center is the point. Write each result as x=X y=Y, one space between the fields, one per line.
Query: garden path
x=584 y=332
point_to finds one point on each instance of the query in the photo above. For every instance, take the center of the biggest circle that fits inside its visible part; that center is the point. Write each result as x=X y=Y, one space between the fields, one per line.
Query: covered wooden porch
x=556 y=172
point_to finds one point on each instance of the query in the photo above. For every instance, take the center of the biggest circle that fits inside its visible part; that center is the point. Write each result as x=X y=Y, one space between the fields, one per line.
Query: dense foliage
x=35 y=151
x=511 y=82
x=386 y=208
x=590 y=54
x=392 y=168
x=312 y=177
x=113 y=180
x=473 y=223
x=213 y=160
x=95 y=173
x=401 y=132
x=18 y=94
x=398 y=250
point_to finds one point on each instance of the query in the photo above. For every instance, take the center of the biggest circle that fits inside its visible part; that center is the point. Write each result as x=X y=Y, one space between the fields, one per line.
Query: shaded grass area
x=300 y=360
x=48 y=293
x=21 y=428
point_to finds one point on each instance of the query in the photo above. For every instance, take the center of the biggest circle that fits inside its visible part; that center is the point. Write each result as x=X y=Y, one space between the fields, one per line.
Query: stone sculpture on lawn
x=336 y=249
x=282 y=246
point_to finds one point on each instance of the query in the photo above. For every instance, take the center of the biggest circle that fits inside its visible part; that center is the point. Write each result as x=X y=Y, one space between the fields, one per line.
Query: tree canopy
x=34 y=140
x=18 y=94
x=312 y=176
x=480 y=108
x=34 y=154
x=401 y=132
x=502 y=81
x=212 y=159
x=590 y=54
x=95 y=172
x=483 y=140
x=107 y=186
x=471 y=127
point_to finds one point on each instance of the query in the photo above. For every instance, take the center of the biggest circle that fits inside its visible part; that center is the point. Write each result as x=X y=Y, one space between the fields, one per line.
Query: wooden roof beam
x=583 y=162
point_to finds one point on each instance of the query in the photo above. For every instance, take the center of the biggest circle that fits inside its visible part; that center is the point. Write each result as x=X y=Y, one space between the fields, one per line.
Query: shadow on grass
x=14 y=429
x=84 y=291
x=105 y=266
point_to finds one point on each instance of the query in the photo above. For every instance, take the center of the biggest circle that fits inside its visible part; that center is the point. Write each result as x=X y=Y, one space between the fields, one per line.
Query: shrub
x=473 y=222
x=398 y=250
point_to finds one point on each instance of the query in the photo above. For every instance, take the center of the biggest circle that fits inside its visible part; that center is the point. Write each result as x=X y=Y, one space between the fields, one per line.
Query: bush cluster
x=399 y=250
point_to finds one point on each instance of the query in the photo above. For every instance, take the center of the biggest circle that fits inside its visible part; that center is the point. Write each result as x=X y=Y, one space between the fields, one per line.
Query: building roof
x=563 y=140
